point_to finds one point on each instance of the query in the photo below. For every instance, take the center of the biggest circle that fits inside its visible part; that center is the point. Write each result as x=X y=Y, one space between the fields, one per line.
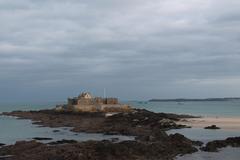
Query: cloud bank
x=136 y=49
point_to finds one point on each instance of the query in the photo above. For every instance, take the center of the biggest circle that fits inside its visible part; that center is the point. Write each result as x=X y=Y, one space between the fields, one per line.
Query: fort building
x=85 y=102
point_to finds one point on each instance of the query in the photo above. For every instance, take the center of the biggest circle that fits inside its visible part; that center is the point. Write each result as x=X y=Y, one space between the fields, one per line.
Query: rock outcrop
x=100 y=150
x=212 y=127
x=213 y=146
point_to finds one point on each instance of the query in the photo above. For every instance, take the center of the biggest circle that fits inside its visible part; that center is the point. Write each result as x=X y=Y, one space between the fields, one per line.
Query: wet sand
x=226 y=123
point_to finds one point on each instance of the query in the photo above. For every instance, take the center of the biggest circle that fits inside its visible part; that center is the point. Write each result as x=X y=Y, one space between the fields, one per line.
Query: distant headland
x=194 y=99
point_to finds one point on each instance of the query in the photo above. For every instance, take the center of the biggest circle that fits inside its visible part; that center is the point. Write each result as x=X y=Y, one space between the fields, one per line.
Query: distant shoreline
x=194 y=99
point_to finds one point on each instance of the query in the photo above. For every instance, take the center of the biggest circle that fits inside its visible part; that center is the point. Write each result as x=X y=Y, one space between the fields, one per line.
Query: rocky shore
x=136 y=123
x=100 y=150
x=149 y=128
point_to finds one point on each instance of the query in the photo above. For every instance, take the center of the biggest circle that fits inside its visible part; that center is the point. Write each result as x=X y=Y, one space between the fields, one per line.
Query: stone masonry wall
x=111 y=101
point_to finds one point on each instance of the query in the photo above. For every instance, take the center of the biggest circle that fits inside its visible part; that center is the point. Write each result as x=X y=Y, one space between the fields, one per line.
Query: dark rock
x=100 y=150
x=56 y=130
x=212 y=127
x=2 y=144
x=180 y=140
x=64 y=141
x=41 y=138
x=197 y=143
x=215 y=145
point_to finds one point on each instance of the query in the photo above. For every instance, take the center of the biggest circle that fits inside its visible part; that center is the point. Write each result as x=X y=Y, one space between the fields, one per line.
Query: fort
x=85 y=102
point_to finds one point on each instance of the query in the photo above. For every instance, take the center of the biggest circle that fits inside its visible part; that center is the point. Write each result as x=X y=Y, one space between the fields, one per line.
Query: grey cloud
x=51 y=49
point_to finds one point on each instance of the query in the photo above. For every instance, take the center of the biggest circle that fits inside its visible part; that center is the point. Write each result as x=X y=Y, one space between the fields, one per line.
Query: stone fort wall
x=92 y=101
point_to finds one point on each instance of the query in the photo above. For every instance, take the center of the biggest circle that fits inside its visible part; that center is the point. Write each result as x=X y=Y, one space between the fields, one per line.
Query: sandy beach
x=227 y=123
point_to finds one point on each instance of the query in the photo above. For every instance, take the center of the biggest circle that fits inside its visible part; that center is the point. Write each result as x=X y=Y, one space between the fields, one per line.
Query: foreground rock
x=101 y=150
x=215 y=145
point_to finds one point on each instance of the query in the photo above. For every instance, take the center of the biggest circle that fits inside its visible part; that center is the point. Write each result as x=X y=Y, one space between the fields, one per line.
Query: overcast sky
x=136 y=49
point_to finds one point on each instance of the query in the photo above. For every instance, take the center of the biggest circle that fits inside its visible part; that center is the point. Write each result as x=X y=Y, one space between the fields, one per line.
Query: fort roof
x=85 y=95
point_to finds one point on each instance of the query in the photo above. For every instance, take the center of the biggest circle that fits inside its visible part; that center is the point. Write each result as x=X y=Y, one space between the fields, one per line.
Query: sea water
x=229 y=108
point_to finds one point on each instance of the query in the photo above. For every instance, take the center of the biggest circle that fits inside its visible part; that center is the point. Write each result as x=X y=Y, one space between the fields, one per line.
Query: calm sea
x=206 y=108
x=13 y=130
